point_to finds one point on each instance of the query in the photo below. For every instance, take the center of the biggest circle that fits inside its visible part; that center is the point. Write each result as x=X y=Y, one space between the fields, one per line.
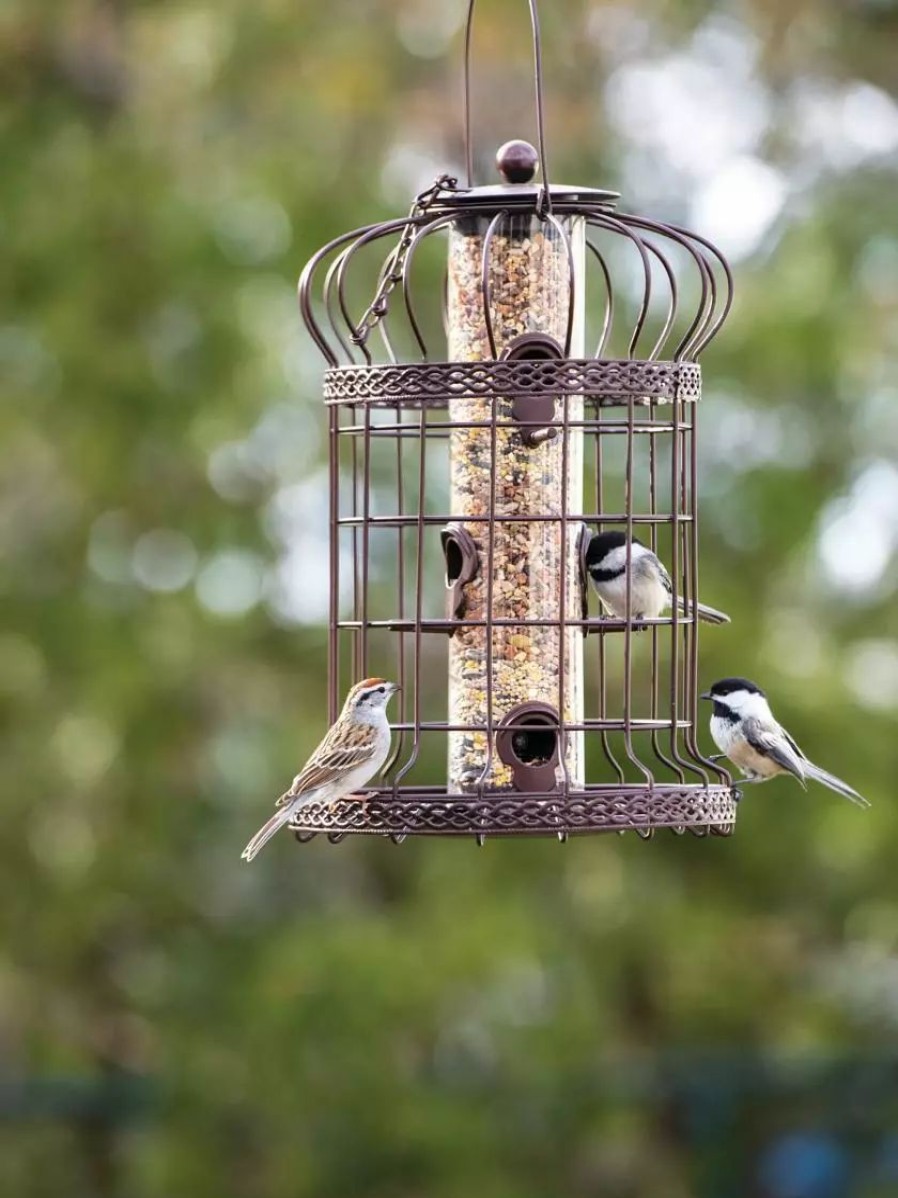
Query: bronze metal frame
x=641 y=397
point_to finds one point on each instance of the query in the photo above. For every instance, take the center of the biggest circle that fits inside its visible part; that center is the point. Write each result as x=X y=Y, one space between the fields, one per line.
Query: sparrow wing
x=336 y=756
x=775 y=743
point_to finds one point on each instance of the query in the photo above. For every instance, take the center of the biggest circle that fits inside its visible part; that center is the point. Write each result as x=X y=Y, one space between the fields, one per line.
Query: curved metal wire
x=433 y=226
x=382 y=328
x=331 y=302
x=345 y=261
x=337 y=336
x=685 y=237
x=671 y=307
x=653 y=249
x=304 y=291
x=485 y=285
x=545 y=202
x=349 y=245
x=602 y=220
x=725 y=266
x=708 y=296
x=572 y=280
x=609 y=299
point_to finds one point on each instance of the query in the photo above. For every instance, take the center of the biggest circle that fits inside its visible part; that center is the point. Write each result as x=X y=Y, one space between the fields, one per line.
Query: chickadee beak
x=706 y=695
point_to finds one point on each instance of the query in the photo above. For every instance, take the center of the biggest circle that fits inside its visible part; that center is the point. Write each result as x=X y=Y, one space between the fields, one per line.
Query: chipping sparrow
x=651 y=590
x=352 y=752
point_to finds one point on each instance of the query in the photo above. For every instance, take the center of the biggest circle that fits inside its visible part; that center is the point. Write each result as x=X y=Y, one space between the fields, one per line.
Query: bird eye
x=380 y=690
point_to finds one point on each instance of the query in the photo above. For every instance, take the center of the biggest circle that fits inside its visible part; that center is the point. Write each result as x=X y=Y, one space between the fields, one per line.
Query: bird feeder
x=468 y=469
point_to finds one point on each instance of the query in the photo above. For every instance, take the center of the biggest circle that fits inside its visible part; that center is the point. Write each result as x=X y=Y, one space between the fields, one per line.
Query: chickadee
x=651 y=590
x=744 y=729
x=350 y=755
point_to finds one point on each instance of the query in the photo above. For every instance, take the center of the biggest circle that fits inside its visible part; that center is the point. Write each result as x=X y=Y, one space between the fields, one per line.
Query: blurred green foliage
x=607 y=1017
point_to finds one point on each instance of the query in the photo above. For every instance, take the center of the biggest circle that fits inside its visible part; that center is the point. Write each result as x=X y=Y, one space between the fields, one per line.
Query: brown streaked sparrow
x=349 y=756
x=651 y=590
x=745 y=730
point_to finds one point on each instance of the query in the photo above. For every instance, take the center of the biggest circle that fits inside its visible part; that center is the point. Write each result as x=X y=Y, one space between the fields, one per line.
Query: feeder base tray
x=422 y=811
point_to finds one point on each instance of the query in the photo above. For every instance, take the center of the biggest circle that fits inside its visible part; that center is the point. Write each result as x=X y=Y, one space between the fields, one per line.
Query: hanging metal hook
x=544 y=202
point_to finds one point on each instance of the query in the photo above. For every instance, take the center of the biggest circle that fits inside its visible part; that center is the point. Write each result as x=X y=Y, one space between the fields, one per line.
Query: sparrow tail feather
x=268 y=829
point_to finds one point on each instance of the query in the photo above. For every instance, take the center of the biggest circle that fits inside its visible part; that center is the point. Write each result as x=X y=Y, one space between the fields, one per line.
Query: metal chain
x=395 y=265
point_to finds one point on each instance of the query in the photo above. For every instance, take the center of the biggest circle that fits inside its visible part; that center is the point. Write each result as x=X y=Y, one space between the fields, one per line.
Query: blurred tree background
x=681 y=1018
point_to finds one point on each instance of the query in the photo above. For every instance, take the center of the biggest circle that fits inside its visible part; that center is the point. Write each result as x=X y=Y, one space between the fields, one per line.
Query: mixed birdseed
x=520 y=574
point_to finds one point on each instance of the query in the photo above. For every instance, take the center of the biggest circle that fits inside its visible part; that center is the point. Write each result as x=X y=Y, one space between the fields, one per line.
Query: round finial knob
x=517 y=161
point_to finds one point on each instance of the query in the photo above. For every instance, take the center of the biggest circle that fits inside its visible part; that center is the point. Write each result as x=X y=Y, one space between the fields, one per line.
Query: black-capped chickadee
x=651 y=590
x=744 y=729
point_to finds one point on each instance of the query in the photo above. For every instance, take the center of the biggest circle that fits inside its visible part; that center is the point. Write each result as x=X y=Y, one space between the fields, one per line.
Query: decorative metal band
x=433 y=384
x=608 y=809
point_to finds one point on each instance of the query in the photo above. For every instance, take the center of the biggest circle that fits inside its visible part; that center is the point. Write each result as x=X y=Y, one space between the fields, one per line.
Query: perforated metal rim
x=433 y=384
x=433 y=812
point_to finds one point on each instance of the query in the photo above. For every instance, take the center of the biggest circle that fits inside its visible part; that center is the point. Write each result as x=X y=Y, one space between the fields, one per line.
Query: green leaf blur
x=636 y=1020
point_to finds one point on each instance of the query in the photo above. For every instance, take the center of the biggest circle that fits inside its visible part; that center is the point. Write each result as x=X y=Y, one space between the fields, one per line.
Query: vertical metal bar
x=692 y=738
x=675 y=492
x=690 y=617
x=333 y=635
x=419 y=595
x=628 y=575
x=366 y=535
x=546 y=198
x=692 y=557
x=690 y=537
x=562 y=595
x=628 y=627
x=402 y=698
x=675 y=580
x=653 y=504
x=600 y=508
x=490 y=571
x=356 y=600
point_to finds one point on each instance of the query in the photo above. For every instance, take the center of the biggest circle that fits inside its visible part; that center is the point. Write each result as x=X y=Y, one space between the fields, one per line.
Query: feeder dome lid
x=525 y=197
x=517 y=162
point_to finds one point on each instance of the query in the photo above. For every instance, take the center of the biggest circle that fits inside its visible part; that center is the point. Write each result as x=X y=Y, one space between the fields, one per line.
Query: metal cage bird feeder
x=465 y=483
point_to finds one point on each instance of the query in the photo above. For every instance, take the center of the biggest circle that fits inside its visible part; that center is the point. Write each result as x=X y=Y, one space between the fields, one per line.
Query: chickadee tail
x=266 y=832
x=834 y=783
x=709 y=614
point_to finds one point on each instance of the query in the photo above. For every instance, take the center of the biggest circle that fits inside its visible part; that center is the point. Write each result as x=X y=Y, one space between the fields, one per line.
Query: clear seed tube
x=525 y=567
